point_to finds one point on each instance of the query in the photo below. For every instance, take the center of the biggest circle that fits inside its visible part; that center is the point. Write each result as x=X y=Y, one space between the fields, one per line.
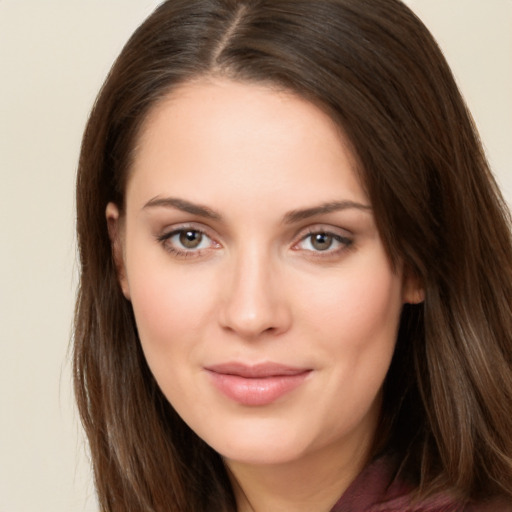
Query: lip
x=256 y=385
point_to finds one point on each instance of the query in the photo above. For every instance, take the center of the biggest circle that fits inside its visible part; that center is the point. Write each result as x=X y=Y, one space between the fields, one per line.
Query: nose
x=254 y=298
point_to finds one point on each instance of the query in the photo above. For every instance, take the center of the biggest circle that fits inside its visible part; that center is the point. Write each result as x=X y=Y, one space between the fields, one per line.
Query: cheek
x=357 y=306
x=170 y=316
x=354 y=323
x=170 y=302
x=354 y=319
x=167 y=306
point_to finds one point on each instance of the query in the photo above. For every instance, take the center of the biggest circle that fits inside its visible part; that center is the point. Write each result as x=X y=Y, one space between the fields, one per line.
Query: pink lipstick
x=255 y=385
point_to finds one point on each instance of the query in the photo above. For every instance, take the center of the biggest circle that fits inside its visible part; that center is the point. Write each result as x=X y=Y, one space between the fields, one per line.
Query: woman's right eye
x=186 y=241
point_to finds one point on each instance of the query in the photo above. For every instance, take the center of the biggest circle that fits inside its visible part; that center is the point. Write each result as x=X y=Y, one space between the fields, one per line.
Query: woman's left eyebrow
x=324 y=208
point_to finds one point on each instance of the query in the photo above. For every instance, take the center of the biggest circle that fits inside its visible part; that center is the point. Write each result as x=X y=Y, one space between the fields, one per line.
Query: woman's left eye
x=185 y=240
x=323 y=241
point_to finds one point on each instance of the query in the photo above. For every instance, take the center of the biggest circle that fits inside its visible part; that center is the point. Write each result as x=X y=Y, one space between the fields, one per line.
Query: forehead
x=209 y=135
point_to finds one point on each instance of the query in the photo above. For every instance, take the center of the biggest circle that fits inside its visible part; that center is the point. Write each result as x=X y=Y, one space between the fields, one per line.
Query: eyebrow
x=291 y=217
x=184 y=206
x=322 y=209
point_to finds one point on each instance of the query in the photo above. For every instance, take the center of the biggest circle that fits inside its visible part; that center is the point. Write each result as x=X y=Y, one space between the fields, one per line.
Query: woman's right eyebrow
x=184 y=206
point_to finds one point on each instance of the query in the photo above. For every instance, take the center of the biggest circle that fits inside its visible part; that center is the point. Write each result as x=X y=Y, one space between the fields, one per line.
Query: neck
x=313 y=483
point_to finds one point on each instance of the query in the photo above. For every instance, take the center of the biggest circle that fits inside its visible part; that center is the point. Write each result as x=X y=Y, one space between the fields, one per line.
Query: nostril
x=253 y=323
x=253 y=304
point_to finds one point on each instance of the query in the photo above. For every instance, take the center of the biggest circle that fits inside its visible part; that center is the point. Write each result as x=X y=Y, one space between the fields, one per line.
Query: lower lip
x=256 y=391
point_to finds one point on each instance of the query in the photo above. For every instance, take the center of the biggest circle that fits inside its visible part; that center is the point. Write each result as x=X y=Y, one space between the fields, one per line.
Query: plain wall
x=54 y=55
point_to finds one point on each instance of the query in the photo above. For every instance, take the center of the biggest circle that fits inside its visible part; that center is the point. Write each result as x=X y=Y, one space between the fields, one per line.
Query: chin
x=258 y=445
x=261 y=455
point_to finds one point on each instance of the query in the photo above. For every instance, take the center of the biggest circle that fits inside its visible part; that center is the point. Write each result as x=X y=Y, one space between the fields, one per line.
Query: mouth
x=256 y=385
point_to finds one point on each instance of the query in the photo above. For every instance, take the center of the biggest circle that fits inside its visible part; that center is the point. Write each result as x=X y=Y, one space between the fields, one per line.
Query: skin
x=258 y=288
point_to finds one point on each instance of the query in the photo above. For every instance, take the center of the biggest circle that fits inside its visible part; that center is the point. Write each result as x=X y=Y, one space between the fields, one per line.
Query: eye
x=323 y=241
x=186 y=241
x=190 y=239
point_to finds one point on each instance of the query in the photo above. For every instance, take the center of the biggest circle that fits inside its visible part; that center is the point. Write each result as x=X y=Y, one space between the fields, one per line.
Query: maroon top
x=377 y=490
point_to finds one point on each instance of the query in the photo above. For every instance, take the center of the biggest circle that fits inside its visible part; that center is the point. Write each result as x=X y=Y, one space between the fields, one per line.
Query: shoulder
x=377 y=489
x=495 y=505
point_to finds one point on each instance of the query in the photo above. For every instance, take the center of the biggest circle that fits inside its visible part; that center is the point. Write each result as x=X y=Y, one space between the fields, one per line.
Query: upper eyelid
x=173 y=232
x=323 y=228
x=296 y=237
x=340 y=238
x=192 y=226
x=167 y=234
x=181 y=252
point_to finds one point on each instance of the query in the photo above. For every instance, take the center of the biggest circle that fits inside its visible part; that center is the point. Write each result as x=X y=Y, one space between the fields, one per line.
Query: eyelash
x=345 y=243
x=165 y=240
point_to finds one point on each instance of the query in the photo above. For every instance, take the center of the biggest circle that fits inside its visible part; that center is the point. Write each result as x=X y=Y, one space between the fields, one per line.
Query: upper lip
x=254 y=371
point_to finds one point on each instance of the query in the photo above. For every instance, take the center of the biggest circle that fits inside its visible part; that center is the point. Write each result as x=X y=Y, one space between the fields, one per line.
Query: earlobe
x=115 y=234
x=414 y=291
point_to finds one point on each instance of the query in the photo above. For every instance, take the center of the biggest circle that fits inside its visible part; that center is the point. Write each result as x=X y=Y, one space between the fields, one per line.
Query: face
x=265 y=303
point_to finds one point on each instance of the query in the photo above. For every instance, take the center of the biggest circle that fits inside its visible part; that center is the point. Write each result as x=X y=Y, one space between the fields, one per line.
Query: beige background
x=54 y=55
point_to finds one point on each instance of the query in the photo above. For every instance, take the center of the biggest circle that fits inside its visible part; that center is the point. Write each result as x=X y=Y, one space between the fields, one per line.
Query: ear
x=115 y=233
x=413 y=289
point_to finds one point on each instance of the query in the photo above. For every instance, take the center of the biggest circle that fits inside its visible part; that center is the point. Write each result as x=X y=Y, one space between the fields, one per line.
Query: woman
x=295 y=268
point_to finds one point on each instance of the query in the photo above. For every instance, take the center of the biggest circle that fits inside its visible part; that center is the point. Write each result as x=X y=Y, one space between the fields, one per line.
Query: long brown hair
x=374 y=67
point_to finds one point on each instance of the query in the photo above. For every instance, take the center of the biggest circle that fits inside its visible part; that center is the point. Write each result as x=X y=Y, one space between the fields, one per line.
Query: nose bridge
x=254 y=301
